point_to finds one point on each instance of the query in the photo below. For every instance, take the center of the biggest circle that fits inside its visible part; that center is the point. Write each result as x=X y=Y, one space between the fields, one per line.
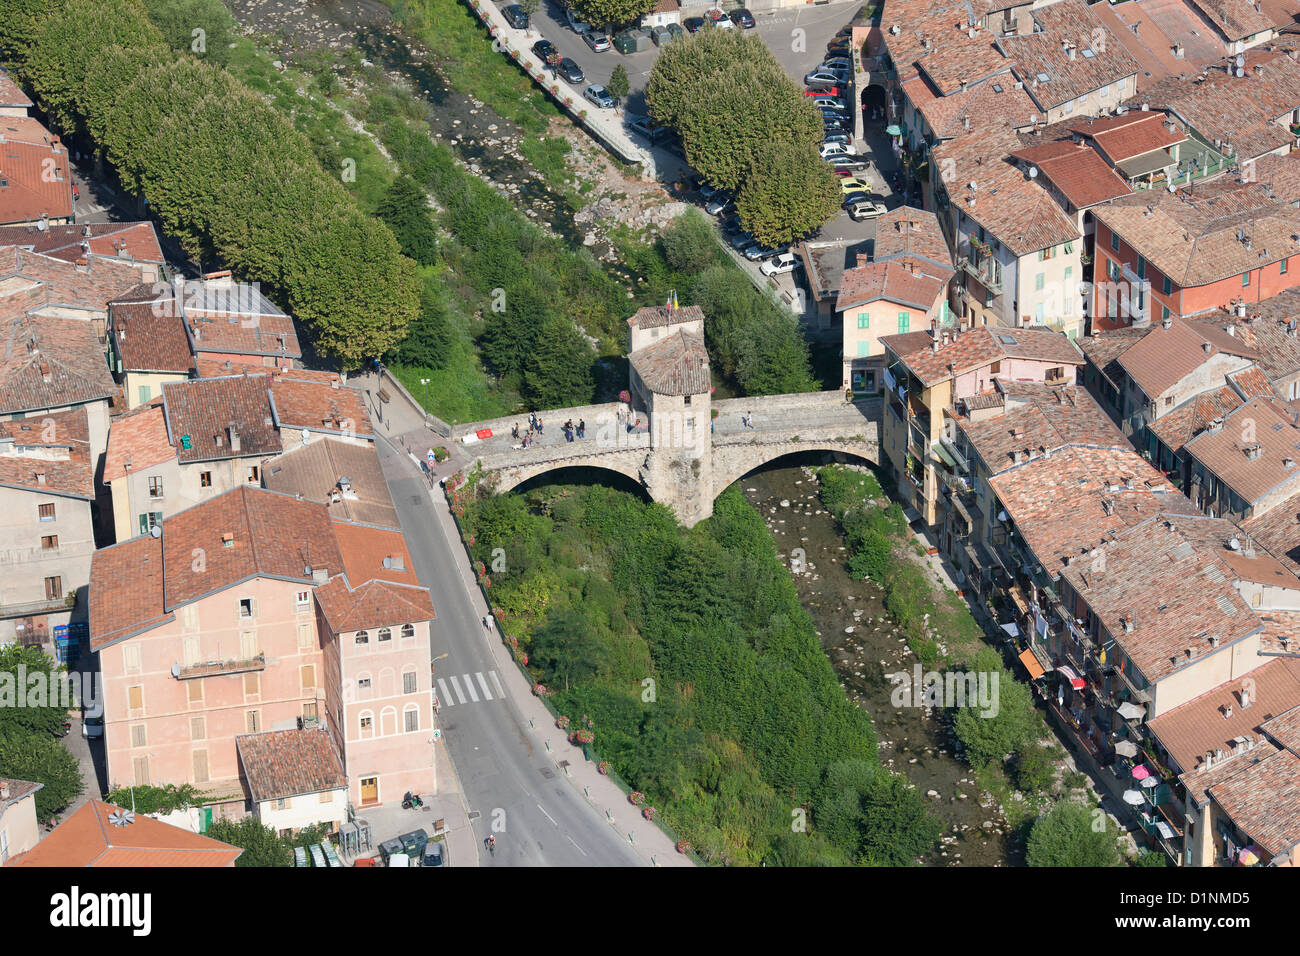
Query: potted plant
x=539 y=690
x=562 y=722
x=603 y=767
x=625 y=396
x=636 y=798
x=683 y=846
x=648 y=813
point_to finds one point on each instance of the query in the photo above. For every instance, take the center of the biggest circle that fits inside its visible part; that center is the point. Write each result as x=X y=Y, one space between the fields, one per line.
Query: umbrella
x=893 y=130
x=1149 y=782
x=1134 y=798
x=1140 y=772
x=1248 y=855
x=1126 y=748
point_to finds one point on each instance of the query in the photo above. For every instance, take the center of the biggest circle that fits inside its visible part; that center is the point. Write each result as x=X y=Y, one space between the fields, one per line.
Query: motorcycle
x=412 y=801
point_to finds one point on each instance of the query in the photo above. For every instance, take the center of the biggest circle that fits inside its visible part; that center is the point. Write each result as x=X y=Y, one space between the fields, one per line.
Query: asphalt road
x=547 y=823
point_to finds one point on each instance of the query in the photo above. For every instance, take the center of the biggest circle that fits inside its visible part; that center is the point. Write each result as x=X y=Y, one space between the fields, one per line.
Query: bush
x=1035 y=768
x=1071 y=834
x=689 y=243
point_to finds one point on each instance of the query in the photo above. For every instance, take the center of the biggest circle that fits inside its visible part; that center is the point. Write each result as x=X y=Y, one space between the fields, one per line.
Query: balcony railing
x=983 y=276
x=215 y=668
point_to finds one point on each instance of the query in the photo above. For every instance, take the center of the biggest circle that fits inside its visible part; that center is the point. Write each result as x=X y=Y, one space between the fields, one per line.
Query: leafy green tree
x=262 y=846
x=164 y=799
x=567 y=647
x=181 y=20
x=530 y=7
x=558 y=368
x=406 y=210
x=430 y=339
x=871 y=559
x=42 y=759
x=24 y=672
x=619 y=85
x=1036 y=768
x=1071 y=834
x=613 y=12
x=1151 y=859
x=875 y=813
x=788 y=195
x=1015 y=727
x=774 y=357
x=689 y=243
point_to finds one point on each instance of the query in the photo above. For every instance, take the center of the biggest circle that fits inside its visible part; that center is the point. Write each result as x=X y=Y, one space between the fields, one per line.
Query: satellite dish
x=43 y=224
x=155 y=531
x=176 y=671
x=1033 y=172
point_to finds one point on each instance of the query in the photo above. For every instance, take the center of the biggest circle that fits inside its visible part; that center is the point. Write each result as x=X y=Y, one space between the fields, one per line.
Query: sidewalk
x=650 y=843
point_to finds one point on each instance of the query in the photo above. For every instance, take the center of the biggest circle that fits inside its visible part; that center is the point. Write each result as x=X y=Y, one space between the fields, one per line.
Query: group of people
x=627 y=420
x=570 y=429
x=536 y=430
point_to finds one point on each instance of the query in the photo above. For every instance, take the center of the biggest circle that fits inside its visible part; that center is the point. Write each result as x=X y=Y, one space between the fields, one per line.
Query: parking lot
x=797 y=37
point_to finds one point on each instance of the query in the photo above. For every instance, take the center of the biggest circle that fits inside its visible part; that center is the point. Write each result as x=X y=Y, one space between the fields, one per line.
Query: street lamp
x=425 y=383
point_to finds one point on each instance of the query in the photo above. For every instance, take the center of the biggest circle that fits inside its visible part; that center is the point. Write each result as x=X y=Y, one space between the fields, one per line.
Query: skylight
x=1088 y=54
x=1007 y=339
x=1043 y=78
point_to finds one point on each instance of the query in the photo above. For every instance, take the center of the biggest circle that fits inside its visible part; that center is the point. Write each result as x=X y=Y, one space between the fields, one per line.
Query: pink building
x=222 y=625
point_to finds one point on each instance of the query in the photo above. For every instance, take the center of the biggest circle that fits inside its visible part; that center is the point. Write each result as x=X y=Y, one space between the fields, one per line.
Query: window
x=198 y=728
x=1281 y=266
x=1114 y=242
x=1104 y=91
x=309 y=710
x=140 y=767
x=327 y=796
x=248 y=645
x=1167 y=286
x=143 y=393
x=1038 y=314
x=201 y=766
x=1245 y=279
x=408 y=630
x=903 y=321
x=1169 y=401
x=281 y=803
x=385 y=634
x=1069 y=248
x=137 y=735
x=49 y=542
x=253 y=719
x=190 y=617
x=307 y=678
x=247 y=607
x=1040 y=280
x=363 y=683
x=1069 y=273
x=1164 y=312
x=995 y=368
x=53 y=588
x=131 y=658
x=1123 y=84
x=304 y=637
x=1142 y=267
x=196 y=691
x=367 y=725
x=363 y=637
x=864 y=320
x=46 y=511
x=205 y=479
x=253 y=685
x=1112 y=269
x=686 y=400
x=1045 y=254
x=149 y=520
x=135 y=697
x=412 y=718
x=253 y=475
x=410 y=682
x=864 y=350
x=155 y=486
x=190 y=649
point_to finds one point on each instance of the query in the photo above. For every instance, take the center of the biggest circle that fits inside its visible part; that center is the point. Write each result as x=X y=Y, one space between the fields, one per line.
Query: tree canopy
x=1071 y=834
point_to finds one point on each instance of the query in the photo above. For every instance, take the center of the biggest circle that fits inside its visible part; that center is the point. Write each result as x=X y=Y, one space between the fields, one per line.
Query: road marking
x=456 y=685
x=548 y=816
x=482 y=682
x=575 y=843
x=497 y=684
x=469 y=688
x=445 y=696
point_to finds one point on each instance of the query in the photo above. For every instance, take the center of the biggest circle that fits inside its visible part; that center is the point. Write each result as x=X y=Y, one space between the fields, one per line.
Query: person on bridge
x=514 y=432
x=582 y=428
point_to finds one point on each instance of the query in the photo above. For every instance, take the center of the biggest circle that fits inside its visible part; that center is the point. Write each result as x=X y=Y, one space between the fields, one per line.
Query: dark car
x=544 y=49
x=515 y=16
x=693 y=24
x=836 y=136
x=834 y=123
x=571 y=71
x=852 y=199
x=742 y=18
x=433 y=855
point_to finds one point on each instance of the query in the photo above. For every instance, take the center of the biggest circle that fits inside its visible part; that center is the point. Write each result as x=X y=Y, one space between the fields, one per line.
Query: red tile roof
x=299 y=402
x=149 y=337
x=908 y=232
x=288 y=763
x=66 y=434
x=1178 y=427
x=49 y=362
x=42 y=281
x=205 y=410
x=372 y=604
x=314 y=471
x=1039 y=416
x=1081 y=176
x=138 y=437
x=1235 y=19
x=1164 y=357
x=138 y=240
x=904 y=281
x=974 y=348
x=371 y=553
x=126 y=591
x=1130 y=134
x=1260 y=423
x=660 y=316
x=88 y=838
x=29 y=156
x=11 y=93
x=1263 y=799
x=676 y=365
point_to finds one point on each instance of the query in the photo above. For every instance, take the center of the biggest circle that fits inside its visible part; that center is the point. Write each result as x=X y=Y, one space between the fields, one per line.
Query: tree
x=44 y=760
x=529 y=7
x=788 y=194
x=774 y=357
x=1071 y=834
x=874 y=814
x=1015 y=726
x=566 y=648
x=689 y=243
x=558 y=368
x=617 y=12
x=164 y=799
x=262 y=846
x=181 y=20
x=618 y=84
x=26 y=672
x=430 y=339
x=405 y=208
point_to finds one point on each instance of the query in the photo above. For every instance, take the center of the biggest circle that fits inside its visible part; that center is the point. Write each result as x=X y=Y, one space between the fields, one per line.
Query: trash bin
x=390 y=848
x=625 y=42
x=642 y=39
x=660 y=35
x=413 y=843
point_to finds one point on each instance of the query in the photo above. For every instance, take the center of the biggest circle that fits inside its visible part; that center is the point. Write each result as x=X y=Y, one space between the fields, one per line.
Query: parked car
x=648 y=128
x=515 y=16
x=92 y=726
x=818 y=90
x=833 y=102
x=855 y=185
x=847 y=162
x=839 y=46
x=852 y=199
x=832 y=112
x=719 y=19
x=576 y=25
x=599 y=96
x=827 y=150
x=544 y=49
x=742 y=18
x=866 y=209
x=741 y=241
x=708 y=192
x=719 y=204
x=731 y=224
x=834 y=123
x=758 y=252
x=837 y=63
x=780 y=265
x=597 y=40
x=693 y=24
x=837 y=136
x=571 y=71
x=675 y=30
x=820 y=77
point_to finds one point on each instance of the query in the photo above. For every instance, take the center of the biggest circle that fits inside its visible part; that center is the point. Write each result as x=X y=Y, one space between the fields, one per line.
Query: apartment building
x=135 y=243
x=147 y=347
x=1246 y=462
x=35 y=182
x=18 y=829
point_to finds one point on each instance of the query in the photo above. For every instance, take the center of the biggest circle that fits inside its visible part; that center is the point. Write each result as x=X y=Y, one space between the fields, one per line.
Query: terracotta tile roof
x=1178 y=427
x=1278 y=529
x=18 y=790
x=905 y=281
x=1282 y=174
x=660 y=316
x=1167 y=572
x=1204 y=724
x=995 y=102
x=1018 y=212
x=1194 y=239
x=938 y=40
x=1285 y=728
x=225 y=316
x=1163 y=357
x=88 y=287
x=48 y=362
x=65 y=434
x=371 y=553
x=30 y=154
x=1130 y=134
x=1240 y=110
x=138 y=437
x=205 y=409
x=977 y=347
x=1103 y=350
x=87 y=838
x=1224 y=452
x=1042 y=54
x=314 y=470
x=126 y=590
x=299 y=403
x=1263 y=799
x=11 y=93
x=372 y=604
x=1150 y=47
x=1280 y=627
x=676 y=365
x=1265 y=329
x=270 y=535
x=289 y=763
x=137 y=239
x=1236 y=19
x=911 y=232
x=1251 y=383
x=1044 y=416
x=219 y=368
x=149 y=337
x=1058 y=501
x=1081 y=176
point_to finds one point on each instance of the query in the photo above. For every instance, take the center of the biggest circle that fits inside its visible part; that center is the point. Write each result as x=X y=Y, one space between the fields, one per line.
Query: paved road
x=500 y=768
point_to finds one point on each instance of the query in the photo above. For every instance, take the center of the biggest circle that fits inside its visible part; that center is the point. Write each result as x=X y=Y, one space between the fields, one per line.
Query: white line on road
x=497 y=684
x=575 y=845
x=469 y=688
x=455 y=684
x=482 y=682
x=445 y=696
x=548 y=816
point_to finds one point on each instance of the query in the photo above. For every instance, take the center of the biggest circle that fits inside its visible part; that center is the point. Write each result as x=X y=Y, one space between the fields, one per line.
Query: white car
x=780 y=265
x=837 y=63
x=92 y=727
x=720 y=20
x=827 y=150
x=866 y=209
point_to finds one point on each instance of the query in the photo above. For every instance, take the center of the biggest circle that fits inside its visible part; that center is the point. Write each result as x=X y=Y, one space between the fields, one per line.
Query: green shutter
x=903 y=319
x=144 y=524
x=864 y=320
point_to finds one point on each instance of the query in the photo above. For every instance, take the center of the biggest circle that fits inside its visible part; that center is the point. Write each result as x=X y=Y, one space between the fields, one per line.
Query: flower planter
x=683 y=847
x=539 y=690
x=562 y=722
x=636 y=798
x=603 y=767
x=648 y=813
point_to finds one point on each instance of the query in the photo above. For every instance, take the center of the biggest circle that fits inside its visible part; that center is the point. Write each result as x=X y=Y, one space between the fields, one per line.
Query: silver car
x=599 y=96
x=596 y=40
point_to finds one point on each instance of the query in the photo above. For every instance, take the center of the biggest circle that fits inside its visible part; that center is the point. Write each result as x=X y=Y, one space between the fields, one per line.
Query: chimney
x=1129 y=483
x=963 y=86
x=1245 y=697
x=1168 y=323
x=320 y=575
x=1129 y=623
x=235 y=444
x=863 y=259
x=1178 y=51
x=4 y=790
x=228 y=540
x=40 y=477
x=1206 y=347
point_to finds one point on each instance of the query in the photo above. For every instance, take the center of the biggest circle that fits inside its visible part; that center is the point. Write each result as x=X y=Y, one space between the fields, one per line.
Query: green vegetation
x=747 y=128
x=406 y=210
x=619 y=85
x=224 y=172
x=1071 y=834
x=164 y=799
x=617 y=13
x=688 y=655
x=29 y=729
x=262 y=846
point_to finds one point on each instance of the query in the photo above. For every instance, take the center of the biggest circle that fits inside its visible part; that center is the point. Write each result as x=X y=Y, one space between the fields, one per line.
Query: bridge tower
x=671 y=388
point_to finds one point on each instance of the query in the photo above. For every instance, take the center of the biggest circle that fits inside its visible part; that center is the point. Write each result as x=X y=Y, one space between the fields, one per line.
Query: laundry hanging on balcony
x=1068 y=672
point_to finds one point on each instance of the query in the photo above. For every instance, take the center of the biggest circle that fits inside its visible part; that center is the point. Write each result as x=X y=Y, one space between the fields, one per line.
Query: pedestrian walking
x=540 y=429
x=582 y=428
x=514 y=432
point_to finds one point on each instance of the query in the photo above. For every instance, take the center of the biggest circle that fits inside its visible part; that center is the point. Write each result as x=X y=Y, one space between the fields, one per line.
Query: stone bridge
x=678 y=458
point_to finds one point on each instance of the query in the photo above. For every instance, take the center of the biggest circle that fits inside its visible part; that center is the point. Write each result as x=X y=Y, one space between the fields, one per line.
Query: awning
x=1131 y=711
x=944 y=454
x=1146 y=163
x=1011 y=629
x=893 y=130
x=912 y=515
x=1003 y=516
x=1165 y=829
x=1031 y=663
x=1126 y=748
x=1066 y=671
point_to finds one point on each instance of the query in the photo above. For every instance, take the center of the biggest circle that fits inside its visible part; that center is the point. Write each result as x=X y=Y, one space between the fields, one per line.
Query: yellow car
x=854 y=185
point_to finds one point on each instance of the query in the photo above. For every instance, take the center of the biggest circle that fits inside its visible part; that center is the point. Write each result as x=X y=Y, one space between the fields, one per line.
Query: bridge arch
x=729 y=469
x=555 y=472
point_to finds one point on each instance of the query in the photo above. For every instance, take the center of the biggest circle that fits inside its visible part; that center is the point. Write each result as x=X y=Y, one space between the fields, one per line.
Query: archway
x=809 y=456
x=582 y=475
x=874 y=112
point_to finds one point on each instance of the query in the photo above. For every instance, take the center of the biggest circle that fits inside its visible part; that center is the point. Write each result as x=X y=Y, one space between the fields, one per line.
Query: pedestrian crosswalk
x=469 y=688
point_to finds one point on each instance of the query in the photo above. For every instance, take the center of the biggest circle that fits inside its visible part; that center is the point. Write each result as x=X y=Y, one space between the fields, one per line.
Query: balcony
x=982 y=273
x=218 y=668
